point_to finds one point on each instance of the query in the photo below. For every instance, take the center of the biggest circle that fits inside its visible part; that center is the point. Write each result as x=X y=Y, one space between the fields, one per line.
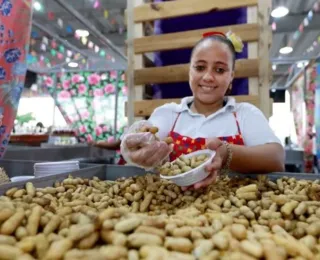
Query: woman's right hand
x=144 y=150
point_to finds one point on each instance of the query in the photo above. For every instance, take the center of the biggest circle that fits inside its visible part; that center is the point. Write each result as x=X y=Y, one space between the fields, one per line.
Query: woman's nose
x=208 y=77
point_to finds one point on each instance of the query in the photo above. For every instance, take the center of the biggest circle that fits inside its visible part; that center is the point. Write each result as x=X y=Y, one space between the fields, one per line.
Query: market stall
x=123 y=212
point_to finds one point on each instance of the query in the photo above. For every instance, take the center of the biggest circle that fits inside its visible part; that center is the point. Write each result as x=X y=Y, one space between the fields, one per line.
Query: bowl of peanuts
x=187 y=169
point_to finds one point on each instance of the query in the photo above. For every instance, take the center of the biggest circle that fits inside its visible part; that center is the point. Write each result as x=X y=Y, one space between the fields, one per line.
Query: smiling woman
x=238 y=132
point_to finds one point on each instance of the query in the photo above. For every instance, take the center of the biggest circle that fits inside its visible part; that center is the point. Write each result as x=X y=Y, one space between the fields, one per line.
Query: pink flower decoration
x=105 y=128
x=76 y=78
x=94 y=79
x=98 y=93
x=113 y=74
x=49 y=82
x=82 y=89
x=89 y=138
x=99 y=130
x=82 y=129
x=125 y=91
x=110 y=139
x=109 y=88
x=85 y=114
x=64 y=94
x=66 y=84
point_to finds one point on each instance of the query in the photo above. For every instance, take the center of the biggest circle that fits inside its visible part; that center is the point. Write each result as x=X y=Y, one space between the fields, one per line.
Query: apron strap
x=237 y=122
x=175 y=122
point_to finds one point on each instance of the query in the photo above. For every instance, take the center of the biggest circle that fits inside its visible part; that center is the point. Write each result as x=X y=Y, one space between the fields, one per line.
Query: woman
x=238 y=132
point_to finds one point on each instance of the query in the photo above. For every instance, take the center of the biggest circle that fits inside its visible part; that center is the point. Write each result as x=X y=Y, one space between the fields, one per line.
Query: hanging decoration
x=48 y=52
x=96 y=4
x=317 y=113
x=15 y=20
x=83 y=99
x=305 y=23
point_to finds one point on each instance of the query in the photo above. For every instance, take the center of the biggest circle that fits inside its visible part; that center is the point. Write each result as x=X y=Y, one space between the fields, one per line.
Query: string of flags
x=305 y=23
x=58 y=51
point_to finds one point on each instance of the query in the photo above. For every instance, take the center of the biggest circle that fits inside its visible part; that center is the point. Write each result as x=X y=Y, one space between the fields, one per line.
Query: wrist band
x=226 y=167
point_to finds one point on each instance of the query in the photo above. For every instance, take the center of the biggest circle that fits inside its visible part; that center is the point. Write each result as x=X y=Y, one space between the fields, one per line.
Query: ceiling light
x=73 y=64
x=274 y=67
x=280 y=11
x=82 y=33
x=301 y=64
x=286 y=50
x=37 y=6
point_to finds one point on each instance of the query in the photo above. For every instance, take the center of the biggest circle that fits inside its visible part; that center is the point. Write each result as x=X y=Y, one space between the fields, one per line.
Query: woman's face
x=210 y=71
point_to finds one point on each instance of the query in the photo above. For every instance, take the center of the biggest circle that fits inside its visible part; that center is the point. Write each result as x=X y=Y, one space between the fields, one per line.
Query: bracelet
x=225 y=168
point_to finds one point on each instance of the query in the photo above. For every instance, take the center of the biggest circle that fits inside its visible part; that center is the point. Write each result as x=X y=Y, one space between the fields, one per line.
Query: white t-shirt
x=253 y=125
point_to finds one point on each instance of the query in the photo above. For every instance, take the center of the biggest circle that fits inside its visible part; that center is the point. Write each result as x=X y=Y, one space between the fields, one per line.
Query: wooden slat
x=146 y=107
x=179 y=73
x=264 y=10
x=164 y=10
x=130 y=55
x=182 y=40
x=252 y=17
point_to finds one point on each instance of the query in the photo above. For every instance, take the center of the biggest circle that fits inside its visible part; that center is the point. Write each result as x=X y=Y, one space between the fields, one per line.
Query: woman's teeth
x=207 y=87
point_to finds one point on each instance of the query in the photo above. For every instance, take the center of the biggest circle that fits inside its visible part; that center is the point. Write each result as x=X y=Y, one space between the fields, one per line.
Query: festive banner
x=298 y=108
x=310 y=107
x=317 y=113
x=15 y=26
x=90 y=102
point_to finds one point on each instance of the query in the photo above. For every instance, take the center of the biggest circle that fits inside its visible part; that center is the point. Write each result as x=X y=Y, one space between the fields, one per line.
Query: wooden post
x=130 y=55
x=260 y=86
x=138 y=58
x=252 y=17
x=264 y=10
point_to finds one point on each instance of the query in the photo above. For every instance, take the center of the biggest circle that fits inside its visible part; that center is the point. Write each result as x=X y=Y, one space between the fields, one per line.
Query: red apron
x=184 y=144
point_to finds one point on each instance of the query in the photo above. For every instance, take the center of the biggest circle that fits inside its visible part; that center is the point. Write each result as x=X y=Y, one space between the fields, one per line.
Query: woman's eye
x=199 y=68
x=220 y=70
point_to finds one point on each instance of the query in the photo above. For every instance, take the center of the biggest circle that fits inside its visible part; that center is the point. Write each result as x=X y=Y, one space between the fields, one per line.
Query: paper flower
x=236 y=41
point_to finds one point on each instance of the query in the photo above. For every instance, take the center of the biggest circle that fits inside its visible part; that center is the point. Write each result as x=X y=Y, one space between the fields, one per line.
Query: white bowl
x=195 y=175
x=21 y=178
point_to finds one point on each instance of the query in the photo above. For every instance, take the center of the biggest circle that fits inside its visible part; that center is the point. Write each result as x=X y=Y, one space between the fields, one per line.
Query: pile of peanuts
x=150 y=218
x=182 y=165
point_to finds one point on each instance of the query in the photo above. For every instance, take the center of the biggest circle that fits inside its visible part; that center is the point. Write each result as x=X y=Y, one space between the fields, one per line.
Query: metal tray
x=113 y=172
x=42 y=182
x=24 y=167
x=57 y=153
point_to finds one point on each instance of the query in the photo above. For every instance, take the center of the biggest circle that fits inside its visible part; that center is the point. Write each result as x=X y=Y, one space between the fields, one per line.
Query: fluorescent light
x=37 y=6
x=286 y=50
x=280 y=11
x=301 y=64
x=82 y=33
x=73 y=64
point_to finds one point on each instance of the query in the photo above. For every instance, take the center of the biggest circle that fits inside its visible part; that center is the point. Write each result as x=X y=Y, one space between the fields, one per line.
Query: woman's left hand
x=218 y=161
